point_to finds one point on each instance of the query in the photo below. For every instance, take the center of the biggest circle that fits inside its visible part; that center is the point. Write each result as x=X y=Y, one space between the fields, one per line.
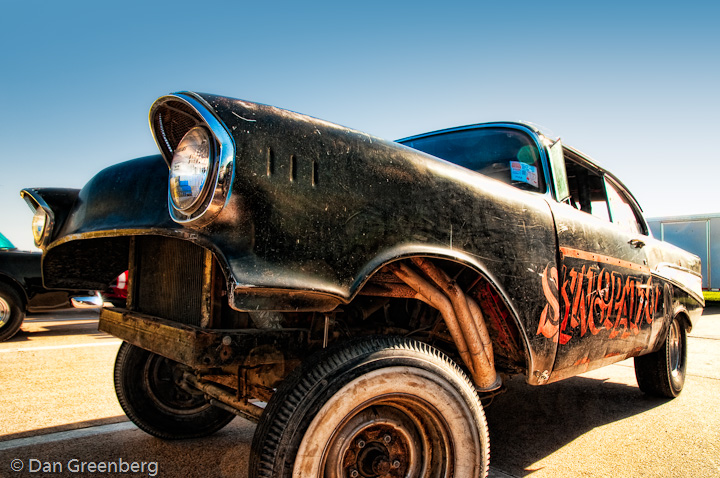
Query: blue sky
x=632 y=84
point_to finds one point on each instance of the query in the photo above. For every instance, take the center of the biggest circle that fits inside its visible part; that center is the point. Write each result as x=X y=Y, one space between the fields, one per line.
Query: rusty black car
x=357 y=297
x=22 y=290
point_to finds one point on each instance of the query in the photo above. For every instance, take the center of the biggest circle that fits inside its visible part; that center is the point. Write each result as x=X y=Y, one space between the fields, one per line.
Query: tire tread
x=17 y=312
x=652 y=370
x=283 y=407
x=211 y=421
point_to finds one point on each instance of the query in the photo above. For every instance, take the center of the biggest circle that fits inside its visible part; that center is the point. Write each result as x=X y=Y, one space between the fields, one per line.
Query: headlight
x=201 y=159
x=39 y=223
x=189 y=169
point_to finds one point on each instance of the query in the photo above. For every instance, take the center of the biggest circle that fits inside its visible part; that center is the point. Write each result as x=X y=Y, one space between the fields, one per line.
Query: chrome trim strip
x=218 y=187
x=686 y=279
x=87 y=302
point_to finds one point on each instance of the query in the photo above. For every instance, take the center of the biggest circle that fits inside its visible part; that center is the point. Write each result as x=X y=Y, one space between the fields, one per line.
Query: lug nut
x=387 y=438
x=354 y=474
x=361 y=444
x=396 y=464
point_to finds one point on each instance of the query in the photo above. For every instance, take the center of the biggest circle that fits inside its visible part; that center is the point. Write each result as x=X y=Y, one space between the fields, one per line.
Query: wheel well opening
x=388 y=305
x=12 y=284
x=684 y=321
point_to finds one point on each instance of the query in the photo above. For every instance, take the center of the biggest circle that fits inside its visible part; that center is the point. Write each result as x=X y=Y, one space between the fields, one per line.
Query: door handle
x=636 y=243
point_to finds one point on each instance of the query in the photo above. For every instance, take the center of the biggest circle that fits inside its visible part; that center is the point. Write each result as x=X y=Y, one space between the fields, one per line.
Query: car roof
x=528 y=126
x=5 y=242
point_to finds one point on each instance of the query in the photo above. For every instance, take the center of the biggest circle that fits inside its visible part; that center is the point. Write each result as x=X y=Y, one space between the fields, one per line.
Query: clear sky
x=633 y=84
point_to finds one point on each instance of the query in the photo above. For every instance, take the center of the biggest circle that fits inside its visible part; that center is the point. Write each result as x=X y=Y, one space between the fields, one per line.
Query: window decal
x=524 y=173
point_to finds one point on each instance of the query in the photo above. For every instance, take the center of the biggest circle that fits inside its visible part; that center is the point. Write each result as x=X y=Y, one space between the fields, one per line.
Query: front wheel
x=380 y=407
x=662 y=373
x=12 y=312
x=147 y=387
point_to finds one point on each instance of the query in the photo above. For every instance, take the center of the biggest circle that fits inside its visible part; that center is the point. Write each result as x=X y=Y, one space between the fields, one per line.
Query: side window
x=587 y=190
x=622 y=211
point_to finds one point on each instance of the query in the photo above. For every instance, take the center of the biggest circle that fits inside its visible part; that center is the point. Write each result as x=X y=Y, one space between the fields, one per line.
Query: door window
x=622 y=211
x=587 y=190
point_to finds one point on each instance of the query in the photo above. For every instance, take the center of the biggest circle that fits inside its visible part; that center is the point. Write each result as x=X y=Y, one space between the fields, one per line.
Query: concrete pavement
x=58 y=406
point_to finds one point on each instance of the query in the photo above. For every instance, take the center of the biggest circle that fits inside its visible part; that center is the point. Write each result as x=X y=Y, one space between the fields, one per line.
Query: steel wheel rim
x=675 y=349
x=440 y=410
x=161 y=377
x=391 y=437
x=4 y=311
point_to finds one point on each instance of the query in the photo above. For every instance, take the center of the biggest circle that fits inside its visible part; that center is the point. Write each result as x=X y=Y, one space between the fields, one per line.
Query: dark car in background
x=22 y=290
x=359 y=297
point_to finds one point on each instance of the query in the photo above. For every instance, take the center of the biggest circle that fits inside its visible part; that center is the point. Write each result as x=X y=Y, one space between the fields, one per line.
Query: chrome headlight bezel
x=43 y=220
x=171 y=118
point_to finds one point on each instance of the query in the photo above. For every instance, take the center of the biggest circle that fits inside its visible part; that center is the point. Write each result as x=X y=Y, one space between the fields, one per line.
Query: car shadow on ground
x=59 y=324
x=26 y=334
x=224 y=454
x=63 y=428
x=65 y=314
x=530 y=423
x=526 y=425
x=711 y=308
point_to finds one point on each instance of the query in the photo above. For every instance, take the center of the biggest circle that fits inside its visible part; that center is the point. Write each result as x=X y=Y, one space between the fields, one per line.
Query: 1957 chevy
x=359 y=297
x=22 y=290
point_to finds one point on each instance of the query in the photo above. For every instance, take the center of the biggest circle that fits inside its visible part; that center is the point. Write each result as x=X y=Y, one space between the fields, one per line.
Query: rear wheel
x=12 y=312
x=147 y=387
x=381 y=407
x=662 y=373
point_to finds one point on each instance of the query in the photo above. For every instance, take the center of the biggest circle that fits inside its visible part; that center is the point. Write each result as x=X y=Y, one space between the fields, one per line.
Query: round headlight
x=39 y=222
x=190 y=168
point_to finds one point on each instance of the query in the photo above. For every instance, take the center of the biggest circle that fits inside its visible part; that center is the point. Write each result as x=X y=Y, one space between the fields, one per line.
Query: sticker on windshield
x=523 y=172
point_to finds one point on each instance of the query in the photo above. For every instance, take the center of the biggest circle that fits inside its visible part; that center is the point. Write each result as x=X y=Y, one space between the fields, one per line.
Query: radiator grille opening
x=168 y=279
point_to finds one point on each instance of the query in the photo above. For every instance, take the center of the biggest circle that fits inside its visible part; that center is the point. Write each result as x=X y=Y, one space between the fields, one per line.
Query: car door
x=607 y=298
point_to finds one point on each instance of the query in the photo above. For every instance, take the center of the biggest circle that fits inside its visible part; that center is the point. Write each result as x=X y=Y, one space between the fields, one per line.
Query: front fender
x=129 y=196
x=87 y=246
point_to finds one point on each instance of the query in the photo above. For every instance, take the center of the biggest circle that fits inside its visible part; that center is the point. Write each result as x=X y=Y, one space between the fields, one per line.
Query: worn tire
x=12 y=312
x=375 y=407
x=146 y=387
x=662 y=373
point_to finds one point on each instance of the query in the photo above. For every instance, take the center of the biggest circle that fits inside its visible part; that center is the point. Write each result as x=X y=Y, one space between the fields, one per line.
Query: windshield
x=505 y=154
x=5 y=243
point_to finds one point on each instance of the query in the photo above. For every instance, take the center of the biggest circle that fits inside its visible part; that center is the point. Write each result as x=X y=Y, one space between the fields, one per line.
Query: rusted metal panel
x=199 y=347
x=132 y=270
x=240 y=407
x=208 y=289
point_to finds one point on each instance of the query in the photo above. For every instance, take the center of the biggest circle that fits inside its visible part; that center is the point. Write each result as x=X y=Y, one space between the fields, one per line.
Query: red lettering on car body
x=593 y=299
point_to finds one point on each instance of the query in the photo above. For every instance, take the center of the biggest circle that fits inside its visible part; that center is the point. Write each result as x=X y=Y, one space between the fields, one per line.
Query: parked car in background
x=116 y=292
x=359 y=297
x=22 y=290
